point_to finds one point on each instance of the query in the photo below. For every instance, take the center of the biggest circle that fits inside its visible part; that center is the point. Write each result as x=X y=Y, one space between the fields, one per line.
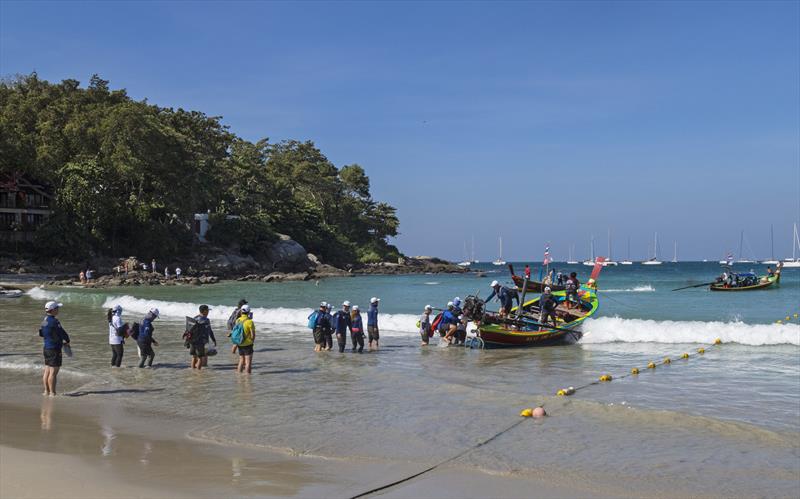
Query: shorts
x=52 y=357
x=373 y=333
x=246 y=350
x=197 y=351
x=319 y=336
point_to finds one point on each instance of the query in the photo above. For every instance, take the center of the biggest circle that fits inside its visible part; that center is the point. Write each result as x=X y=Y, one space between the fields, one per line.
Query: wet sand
x=85 y=450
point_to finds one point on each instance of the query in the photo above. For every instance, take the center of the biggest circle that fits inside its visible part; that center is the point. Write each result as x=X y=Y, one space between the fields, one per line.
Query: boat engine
x=473 y=308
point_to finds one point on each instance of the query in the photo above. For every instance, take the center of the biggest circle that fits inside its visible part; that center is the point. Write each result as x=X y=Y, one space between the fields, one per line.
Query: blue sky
x=542 y=121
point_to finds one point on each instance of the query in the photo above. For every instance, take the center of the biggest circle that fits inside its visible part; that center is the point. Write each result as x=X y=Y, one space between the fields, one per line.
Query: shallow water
x=717 y=421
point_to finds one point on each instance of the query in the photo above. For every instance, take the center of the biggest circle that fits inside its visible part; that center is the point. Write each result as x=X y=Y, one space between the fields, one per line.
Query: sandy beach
x=67 y=451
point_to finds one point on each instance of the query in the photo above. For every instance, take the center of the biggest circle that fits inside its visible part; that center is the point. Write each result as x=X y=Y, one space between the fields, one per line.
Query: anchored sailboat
x=500 y=260
x=772 y=260
x=571 y=260
x=610 y=262
x=628 y=261
x=794 y=262
x=654 y=260
x=465 y=262
x=741 y=254
x=590 y=261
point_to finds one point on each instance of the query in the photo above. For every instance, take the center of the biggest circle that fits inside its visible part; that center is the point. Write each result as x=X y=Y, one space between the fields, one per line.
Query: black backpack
x=135 y=331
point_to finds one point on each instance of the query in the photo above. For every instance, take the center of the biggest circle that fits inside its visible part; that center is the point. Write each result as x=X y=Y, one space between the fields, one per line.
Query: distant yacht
x=654 y=260
x=772 y=260
x=465 y=262
x=675 y=254
x=473 y=251
x=794 y=262
x=610 y=262
x=500 y=260
x=590 y=261
x=628 y=261
x=572 y=261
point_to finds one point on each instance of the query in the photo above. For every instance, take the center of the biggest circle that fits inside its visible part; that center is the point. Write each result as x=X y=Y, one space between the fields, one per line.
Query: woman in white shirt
x=116 y=334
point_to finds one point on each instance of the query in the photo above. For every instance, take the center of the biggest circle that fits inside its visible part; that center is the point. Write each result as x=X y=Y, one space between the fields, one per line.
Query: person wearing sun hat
x=372 y=322
x=55 y=338
x=341 y=323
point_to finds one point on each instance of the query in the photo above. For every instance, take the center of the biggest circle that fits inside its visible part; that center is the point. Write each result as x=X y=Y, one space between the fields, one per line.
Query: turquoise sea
x=717 y=423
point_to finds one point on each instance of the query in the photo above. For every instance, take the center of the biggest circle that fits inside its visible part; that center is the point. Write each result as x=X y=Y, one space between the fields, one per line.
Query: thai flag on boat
x=547 y=260
x=729 y=258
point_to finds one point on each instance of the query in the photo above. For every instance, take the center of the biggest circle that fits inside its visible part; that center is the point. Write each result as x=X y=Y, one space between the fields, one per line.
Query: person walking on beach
x=146 y=340
x=357 y=330
x=248 y=339
x=372 y=322
x=117 y=332
x=320 y=319
x=201 y=333
x=341 y=323
x=55 y=338
x=425 y=325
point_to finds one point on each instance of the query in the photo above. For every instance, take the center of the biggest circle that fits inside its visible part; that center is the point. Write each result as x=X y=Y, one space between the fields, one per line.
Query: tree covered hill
x=128 y=177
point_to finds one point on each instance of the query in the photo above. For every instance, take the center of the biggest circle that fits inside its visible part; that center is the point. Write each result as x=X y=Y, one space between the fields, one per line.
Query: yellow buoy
x=795 y=316
x=701 y=351
x=718 y=341
x=605 y=377
x=778 y=322
x=788 y=318
x=561 y=393
x=651 y=365
x=635 y=370
x=526 y=413
x=667 y=361
x=685 y=356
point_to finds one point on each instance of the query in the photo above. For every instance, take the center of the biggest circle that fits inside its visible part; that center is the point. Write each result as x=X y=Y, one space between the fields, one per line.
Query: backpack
x=135 y=331
x=312 y=319
x=232 y=319
x=237 y=335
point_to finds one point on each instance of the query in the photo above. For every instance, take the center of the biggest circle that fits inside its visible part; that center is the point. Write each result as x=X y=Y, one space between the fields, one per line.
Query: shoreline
x=139 y=453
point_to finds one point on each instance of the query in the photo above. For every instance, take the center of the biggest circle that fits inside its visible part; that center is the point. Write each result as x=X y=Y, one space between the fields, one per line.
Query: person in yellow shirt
x=246 y=346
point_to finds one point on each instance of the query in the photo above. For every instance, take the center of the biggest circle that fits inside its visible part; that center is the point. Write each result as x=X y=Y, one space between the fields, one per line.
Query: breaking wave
x=646 y=288
x=615 y=329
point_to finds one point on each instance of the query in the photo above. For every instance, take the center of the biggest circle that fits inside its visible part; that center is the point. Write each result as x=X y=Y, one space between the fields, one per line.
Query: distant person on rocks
x=178 y=273
x=341 y=323
x=146 y=340
x=357 y=330
x=153 y=266
x=372 y=322
x=245 y=364
x=89 y=275
x=166 y=273
x=425 y=325
x=144 y=267
x=55 y=338
x=82 y=277
x=117 y=332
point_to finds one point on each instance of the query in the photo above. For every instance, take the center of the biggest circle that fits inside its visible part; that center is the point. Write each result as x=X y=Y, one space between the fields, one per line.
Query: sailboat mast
x=741 y=239
x=771 y=243
x=609 y=246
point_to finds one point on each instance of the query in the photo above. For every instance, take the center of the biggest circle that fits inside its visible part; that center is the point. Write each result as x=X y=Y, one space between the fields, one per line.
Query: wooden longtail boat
x=524 y=330
x=764 y=282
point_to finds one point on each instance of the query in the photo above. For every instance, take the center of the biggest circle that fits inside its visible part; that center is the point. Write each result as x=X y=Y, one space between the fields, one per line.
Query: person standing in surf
x=55 y=338
x=201 y=335
x=245 y=346
x=117 y=332
x=357 y=330
x=320 y=323
x=341 y=323
x=328 y=330
x=372 y=322
x=233 y=318
x=425 y=325
x=145 y=340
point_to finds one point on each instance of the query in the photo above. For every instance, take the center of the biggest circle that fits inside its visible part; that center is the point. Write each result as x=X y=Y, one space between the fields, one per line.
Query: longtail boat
x=762 y=282
x=521 y=328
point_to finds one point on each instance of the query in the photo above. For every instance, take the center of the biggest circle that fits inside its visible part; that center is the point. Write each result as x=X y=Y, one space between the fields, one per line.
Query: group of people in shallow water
x=325 y=324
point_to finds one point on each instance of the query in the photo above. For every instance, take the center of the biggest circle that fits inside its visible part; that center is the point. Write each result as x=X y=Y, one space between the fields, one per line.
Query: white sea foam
x=39 y=293
x=645 y=288
x=615 y=329
x=294 y=318
x=35 y=366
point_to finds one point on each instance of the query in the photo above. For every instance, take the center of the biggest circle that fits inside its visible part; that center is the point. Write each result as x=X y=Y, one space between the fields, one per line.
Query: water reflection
x=108 y=438
x=46 y=414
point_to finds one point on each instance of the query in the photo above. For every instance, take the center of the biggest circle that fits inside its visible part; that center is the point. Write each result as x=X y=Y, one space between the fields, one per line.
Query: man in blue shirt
x=341 y=323
x=505 y=295
x=372 y=322
x=54 y=338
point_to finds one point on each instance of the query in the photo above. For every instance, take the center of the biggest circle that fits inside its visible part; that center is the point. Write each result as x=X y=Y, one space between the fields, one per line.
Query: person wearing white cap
x=117 y=332
x=341 y=323
x=424 y=325
x=547 y=307
x=317 y=321
x=357 y=330
x=145 y=340
x=372 y=322
x=505 y=295
x=55 y=338
x=245 y=346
